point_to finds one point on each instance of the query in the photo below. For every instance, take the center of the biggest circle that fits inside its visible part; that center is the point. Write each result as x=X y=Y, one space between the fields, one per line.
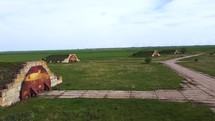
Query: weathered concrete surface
x=213 y=109
x=170 y=95
x=72 y=94
x=143 y=94
x=118 y=94
x=195 y=95
x=94 y=94
x=199 y=87
x=206 y=82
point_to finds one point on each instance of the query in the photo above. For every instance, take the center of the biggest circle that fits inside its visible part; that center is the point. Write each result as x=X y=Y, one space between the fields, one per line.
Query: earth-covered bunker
x=65 y=58
x=19 y=81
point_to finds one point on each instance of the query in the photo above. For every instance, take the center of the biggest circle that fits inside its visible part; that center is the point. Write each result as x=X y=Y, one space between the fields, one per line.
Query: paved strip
x=95 y=94
x=170 y=95
x=200 y=87
x=207 y=83
x=195 y=95
x=72 y=94
x=52 y=94
x=118 y=94
x=213 y=109
x=143 y=94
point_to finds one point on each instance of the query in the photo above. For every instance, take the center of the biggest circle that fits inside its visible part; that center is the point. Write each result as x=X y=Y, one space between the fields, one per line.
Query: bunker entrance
x=36 y=81
x=72 y=59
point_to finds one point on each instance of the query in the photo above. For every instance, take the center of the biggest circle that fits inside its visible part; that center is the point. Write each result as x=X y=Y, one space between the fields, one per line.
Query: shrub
x=196 y=59
x=148 y=60
x=212 y=53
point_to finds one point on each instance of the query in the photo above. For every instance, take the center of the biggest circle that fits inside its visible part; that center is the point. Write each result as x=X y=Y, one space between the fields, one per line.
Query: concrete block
x=72 y=94
x=118 y=94
x=143 y=94
x=3 y=92
x=10 y=91
x=9 y=86
x=94 y=94
x=170 y=95
x=55 y=93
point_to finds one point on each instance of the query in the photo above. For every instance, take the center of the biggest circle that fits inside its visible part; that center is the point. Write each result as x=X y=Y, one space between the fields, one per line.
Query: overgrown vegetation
x=170 y=51
x=55 y=58
x=8 y=71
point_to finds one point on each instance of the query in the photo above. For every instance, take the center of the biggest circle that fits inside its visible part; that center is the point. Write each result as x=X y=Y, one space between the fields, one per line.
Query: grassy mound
x=169 y=52
x=8 y=70
x=143 y=54
x=55 y=58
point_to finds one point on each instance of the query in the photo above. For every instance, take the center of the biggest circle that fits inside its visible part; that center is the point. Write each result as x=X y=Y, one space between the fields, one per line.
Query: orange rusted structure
x=36 y=81
x=73 y=58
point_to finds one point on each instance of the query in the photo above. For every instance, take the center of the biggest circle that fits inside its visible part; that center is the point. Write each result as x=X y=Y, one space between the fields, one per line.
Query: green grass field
x=204 y=63
x=116 y=74
x=37 y=109
x=91 y=54
x=106 y=69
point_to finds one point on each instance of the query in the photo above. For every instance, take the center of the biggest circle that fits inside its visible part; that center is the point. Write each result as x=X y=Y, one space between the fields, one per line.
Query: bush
x=196 y=59
x=148 y=60
x=212 y=53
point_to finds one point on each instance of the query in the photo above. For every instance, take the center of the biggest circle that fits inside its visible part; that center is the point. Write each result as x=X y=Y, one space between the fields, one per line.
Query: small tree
x=148 y=60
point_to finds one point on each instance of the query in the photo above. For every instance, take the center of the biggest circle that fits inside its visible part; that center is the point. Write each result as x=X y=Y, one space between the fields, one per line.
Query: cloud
x=160 y=4
x=85 y=24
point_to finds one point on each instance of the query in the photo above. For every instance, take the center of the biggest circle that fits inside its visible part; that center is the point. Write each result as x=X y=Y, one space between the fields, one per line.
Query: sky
x=79 y=24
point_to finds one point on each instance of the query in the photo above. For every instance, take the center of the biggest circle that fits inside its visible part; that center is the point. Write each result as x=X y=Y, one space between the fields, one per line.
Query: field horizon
x=106 y=48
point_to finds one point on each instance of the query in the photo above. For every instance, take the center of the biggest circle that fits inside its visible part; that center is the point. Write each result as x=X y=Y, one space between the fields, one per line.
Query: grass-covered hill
x=8 y=71
x=143 y=54
x=55 y=58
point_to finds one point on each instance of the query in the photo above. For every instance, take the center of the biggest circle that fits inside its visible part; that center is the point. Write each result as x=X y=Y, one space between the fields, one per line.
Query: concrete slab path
x=169 y=95
x=198 y=87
